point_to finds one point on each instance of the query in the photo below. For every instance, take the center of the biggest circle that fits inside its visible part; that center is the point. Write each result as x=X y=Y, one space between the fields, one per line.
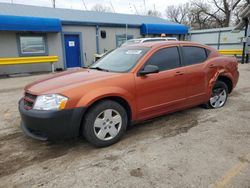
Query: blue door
x=72 y=50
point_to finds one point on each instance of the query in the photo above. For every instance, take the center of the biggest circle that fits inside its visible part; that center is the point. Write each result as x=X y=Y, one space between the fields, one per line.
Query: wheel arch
x=227 y=81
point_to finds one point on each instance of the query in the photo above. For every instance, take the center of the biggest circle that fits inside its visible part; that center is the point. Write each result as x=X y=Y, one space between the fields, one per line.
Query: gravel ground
x=191 y=148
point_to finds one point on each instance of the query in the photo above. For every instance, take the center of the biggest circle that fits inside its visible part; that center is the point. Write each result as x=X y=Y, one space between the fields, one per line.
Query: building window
x=30 y=45
x=120 y=39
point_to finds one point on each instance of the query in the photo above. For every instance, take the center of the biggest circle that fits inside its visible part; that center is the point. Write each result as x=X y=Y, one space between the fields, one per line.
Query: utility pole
x=54 y=3
x=145 y=9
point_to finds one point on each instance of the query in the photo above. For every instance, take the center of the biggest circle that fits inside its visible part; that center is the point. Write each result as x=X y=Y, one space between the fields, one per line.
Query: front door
x=165 y=91
x=72 y=50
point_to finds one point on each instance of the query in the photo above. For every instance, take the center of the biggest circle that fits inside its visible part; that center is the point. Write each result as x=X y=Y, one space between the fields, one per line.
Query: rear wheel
x=219 y=95
x=105 y=123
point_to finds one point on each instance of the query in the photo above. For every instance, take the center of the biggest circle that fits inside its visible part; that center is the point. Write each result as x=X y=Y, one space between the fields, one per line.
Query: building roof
x=69 y=16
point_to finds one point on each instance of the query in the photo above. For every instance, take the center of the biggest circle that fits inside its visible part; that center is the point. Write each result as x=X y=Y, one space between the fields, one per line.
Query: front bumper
x=51 y=125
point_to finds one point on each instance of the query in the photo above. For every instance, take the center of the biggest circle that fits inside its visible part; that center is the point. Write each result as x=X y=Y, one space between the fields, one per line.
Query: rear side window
x=194 y=55
x=165 y=59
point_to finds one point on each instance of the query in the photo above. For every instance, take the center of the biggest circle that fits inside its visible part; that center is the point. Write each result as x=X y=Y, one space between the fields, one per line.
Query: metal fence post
x=244 y=43
x=52 y=67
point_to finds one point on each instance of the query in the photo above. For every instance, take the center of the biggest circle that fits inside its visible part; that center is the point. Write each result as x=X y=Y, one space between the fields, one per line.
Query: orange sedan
x=128 y=85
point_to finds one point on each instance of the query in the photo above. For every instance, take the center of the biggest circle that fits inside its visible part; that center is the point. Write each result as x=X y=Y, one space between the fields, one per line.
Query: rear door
x=165 y=91
x=194 y=58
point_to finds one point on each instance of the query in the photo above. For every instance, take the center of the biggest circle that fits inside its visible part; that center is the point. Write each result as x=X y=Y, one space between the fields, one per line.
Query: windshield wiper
x=99 y=68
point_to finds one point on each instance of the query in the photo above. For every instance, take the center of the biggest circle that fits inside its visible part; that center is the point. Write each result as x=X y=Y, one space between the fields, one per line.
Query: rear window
x=194 y=55
x=153 y=40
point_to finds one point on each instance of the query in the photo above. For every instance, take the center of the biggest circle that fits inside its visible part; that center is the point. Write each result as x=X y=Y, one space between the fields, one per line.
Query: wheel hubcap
x=218 y=98
x=107 y=124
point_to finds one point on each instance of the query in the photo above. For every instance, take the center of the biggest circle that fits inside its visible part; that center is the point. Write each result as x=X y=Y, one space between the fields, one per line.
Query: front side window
x=194 y=55
x=165 y=59
x=120 y=60
x=32 y=45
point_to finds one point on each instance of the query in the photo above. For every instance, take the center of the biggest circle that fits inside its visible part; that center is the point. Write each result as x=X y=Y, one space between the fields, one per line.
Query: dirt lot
x=192 y=148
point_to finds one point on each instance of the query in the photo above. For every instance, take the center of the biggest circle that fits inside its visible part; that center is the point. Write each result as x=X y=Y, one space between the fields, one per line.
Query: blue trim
x=97 y=40
x=24 y=23
x=170 y=28
x=81 y=47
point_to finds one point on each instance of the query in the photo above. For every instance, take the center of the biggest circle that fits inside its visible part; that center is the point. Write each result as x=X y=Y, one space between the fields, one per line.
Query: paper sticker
x=71 y=43
x=133 y=52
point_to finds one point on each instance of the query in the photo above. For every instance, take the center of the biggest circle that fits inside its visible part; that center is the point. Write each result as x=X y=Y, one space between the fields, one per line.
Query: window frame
x=43 y=35
x=184 y=62
x=165 y=47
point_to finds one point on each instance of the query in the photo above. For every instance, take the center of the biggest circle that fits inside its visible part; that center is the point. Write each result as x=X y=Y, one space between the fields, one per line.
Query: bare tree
x=223 y=11
x=179 y=13
x=201 y=15
x=153 y=13
x=214 y=15
x=101 y=8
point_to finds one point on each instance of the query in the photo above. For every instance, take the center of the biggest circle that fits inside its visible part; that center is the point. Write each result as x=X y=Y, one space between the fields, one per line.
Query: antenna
x=112 y=6
x=83 y=2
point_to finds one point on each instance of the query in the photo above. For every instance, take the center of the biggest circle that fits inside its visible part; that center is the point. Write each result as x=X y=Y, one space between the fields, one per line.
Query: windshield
x=131 y=41
x=120 y=60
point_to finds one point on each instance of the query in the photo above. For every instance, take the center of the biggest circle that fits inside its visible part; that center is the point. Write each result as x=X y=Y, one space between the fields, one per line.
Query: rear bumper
x=50 y=125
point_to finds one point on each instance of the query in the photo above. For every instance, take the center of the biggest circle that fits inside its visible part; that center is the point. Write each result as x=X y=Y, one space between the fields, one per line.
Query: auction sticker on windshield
x=133 y=52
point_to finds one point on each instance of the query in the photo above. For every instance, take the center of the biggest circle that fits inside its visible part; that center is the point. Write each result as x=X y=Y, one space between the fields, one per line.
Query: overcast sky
x=120 y=6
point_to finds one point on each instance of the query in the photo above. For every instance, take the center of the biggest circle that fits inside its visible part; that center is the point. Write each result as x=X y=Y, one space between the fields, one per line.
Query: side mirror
x=149 y=69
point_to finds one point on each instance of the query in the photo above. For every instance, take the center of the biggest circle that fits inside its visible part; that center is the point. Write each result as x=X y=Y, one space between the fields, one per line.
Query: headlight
x=50 y=102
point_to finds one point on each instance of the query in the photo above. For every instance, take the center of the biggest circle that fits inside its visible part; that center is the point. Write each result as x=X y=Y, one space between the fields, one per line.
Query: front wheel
x=105 y=123
x=219 y=95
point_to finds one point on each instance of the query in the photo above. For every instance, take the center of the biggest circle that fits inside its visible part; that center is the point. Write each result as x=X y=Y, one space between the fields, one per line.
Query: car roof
x=157 y=44
x=143 y=39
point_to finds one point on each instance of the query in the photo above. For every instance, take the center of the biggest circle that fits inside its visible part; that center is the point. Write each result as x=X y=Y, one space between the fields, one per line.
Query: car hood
x=55 y=83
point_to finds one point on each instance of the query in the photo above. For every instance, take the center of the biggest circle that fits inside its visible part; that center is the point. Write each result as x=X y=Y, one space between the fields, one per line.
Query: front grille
x=29 y=100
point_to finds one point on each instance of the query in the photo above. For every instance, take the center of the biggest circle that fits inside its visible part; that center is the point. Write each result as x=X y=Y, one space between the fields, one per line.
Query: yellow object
x=231 y=52
x=28 y=60
x=63 y=104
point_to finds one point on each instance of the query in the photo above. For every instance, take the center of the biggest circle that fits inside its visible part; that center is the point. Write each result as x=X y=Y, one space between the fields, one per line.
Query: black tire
x=88 y=129
x=219 y=85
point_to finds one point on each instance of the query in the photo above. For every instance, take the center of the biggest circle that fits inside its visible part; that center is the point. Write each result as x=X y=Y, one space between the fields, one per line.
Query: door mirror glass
x=149 y=69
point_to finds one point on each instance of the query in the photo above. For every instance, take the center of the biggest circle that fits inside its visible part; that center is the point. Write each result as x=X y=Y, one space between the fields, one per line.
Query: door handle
x=211 y=66
x=178 y=73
